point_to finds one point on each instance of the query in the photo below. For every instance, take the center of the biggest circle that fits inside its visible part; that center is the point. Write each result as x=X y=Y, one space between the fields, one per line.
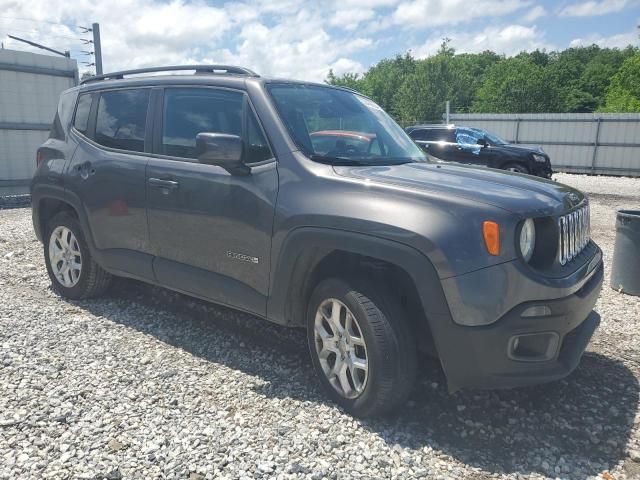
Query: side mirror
x=221 y=149
x=482 y=142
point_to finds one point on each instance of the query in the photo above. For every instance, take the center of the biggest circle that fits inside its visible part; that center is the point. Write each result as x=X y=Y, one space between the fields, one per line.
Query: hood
x=522 y=194
x=520 y=148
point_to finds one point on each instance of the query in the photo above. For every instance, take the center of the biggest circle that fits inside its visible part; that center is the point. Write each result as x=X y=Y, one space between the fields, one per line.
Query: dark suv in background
x=308 y=206
x=475 y=146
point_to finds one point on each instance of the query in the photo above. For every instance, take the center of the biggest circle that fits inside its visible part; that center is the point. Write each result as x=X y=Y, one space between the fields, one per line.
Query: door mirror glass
x=222 y=149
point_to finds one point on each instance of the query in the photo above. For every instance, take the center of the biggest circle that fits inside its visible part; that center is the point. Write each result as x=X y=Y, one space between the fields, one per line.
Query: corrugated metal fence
x=30 y=85
x=599 y=143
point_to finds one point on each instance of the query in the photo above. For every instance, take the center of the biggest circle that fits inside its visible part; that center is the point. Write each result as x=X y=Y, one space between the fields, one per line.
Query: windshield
x=493 y=139
x=340 y=127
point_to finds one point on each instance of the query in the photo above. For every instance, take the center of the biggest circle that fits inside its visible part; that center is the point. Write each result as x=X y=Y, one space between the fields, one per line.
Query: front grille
x=575 y=234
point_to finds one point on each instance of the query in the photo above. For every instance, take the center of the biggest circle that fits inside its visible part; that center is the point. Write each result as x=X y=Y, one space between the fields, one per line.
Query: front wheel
x=516 y=167
x=361 y=347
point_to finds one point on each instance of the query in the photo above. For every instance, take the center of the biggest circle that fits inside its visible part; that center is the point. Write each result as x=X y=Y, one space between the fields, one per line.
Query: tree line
x=583 y=79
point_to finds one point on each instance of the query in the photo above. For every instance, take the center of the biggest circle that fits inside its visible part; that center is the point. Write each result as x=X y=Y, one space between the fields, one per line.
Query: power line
x=40 y=32
x=41 y=21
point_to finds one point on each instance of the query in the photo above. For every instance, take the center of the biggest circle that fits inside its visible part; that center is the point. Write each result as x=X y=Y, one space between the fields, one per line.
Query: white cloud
x=534 y=14
x=285 y=38
x=510 y=40
x=593 y=8
x=430 y=13
x=349 y=19
x=620 y=40
x=297 y=47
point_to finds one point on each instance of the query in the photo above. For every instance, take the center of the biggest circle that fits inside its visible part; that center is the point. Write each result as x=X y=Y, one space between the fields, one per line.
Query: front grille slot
x=574 y=234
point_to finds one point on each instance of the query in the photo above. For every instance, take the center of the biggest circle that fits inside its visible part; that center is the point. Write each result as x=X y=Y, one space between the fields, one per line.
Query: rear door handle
x=160 y=183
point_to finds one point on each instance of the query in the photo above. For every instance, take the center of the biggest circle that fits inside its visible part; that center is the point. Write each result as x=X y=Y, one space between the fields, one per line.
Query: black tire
x=390 y=348
x=93 y=279
x=516 y=167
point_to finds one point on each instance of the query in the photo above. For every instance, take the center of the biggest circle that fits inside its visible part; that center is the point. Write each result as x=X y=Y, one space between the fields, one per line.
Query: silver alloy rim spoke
x=341 y=348
x=65 y=256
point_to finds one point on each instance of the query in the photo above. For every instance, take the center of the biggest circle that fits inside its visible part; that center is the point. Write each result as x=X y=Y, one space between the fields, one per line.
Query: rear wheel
x=74 y=273
x=361 y=347
x=516 y=167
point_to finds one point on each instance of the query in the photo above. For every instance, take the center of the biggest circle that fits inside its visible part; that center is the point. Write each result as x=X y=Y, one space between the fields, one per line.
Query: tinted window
x=121 y=119
x=257 y=146
x=190 y=111
x=82 y=112
x=438 y=135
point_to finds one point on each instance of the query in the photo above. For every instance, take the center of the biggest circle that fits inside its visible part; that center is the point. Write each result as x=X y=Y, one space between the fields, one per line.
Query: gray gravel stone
x=144 y=383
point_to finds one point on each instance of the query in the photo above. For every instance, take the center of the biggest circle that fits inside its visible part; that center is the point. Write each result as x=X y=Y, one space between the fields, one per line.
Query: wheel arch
x=46 y=204
x=311 y=254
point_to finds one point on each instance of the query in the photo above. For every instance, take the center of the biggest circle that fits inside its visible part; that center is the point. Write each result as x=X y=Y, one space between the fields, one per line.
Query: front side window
x=122 y=115
x=190 y=111
x=341 y=127
x=81 y=120
x=468 y=137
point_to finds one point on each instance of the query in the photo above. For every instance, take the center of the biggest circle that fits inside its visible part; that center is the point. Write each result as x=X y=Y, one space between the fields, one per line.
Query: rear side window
x=122 y=117
x=190 y=111
x=81 y=120
x=437 y=135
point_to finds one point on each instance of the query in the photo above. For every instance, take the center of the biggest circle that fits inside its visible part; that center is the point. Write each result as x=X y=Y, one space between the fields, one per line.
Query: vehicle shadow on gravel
x=573 y=428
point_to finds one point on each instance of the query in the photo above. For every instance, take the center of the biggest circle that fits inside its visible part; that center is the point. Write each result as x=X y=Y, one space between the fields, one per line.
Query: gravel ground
x=144 y=383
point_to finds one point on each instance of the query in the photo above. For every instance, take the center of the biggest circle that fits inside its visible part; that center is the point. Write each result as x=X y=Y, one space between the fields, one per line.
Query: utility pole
x=97 y=47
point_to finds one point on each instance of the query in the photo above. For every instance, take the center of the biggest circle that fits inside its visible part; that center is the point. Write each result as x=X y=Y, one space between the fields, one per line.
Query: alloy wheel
x=341 y=348
x=65 y=257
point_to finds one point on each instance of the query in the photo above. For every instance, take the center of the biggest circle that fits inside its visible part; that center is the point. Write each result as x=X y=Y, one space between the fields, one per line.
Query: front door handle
x=160 y=183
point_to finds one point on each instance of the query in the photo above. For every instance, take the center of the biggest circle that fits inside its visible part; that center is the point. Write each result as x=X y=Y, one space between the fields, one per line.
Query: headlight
x=527 y=239
x=539 y=158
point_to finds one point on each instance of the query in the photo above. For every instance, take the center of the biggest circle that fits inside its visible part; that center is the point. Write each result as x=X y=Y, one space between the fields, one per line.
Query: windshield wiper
x=335 y=160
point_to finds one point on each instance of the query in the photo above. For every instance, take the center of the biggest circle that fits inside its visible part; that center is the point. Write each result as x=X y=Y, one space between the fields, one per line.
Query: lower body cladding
x=534 y=342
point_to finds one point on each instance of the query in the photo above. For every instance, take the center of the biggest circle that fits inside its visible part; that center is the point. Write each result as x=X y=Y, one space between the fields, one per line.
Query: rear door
x=210 y=230
x=437 y=142
x=107 y=175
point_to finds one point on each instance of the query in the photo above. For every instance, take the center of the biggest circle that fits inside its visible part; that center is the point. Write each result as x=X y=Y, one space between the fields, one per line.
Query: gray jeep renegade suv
x=215 y=185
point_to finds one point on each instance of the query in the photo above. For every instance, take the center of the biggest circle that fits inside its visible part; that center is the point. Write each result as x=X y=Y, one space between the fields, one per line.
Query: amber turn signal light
x=491 y=234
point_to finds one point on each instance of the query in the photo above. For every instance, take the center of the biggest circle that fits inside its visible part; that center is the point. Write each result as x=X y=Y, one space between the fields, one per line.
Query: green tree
x=623 y=94
x=349 y=80
x=423 y=94
x=516 y=85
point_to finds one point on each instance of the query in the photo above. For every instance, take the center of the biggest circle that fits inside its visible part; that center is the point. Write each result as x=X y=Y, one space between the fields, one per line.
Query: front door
x=210 y=230
x=467 y=149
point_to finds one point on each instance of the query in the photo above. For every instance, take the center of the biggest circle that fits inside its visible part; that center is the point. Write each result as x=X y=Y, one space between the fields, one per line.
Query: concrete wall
x=30 y=85
x=599 y=143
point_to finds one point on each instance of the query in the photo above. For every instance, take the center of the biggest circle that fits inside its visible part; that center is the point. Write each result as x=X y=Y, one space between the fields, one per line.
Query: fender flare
x=305 y=247
x=53 y=192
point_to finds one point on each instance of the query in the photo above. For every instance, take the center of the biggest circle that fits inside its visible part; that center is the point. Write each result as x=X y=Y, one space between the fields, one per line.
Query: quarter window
x=81 y=120
x=190 y=111
x=122 y=116
x=257 y=147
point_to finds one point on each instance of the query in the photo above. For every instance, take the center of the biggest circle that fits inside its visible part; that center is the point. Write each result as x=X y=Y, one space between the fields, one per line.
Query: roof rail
x=227 y=69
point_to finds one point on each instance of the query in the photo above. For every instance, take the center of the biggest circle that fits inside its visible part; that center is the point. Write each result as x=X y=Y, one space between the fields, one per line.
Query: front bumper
x=484 y=356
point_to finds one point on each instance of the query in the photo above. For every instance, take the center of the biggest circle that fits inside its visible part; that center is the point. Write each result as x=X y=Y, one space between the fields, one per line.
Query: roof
x=430 y=126
x=233 y=77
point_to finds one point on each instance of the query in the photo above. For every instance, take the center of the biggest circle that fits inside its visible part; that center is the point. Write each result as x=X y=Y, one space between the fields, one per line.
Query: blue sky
x=304 y=39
